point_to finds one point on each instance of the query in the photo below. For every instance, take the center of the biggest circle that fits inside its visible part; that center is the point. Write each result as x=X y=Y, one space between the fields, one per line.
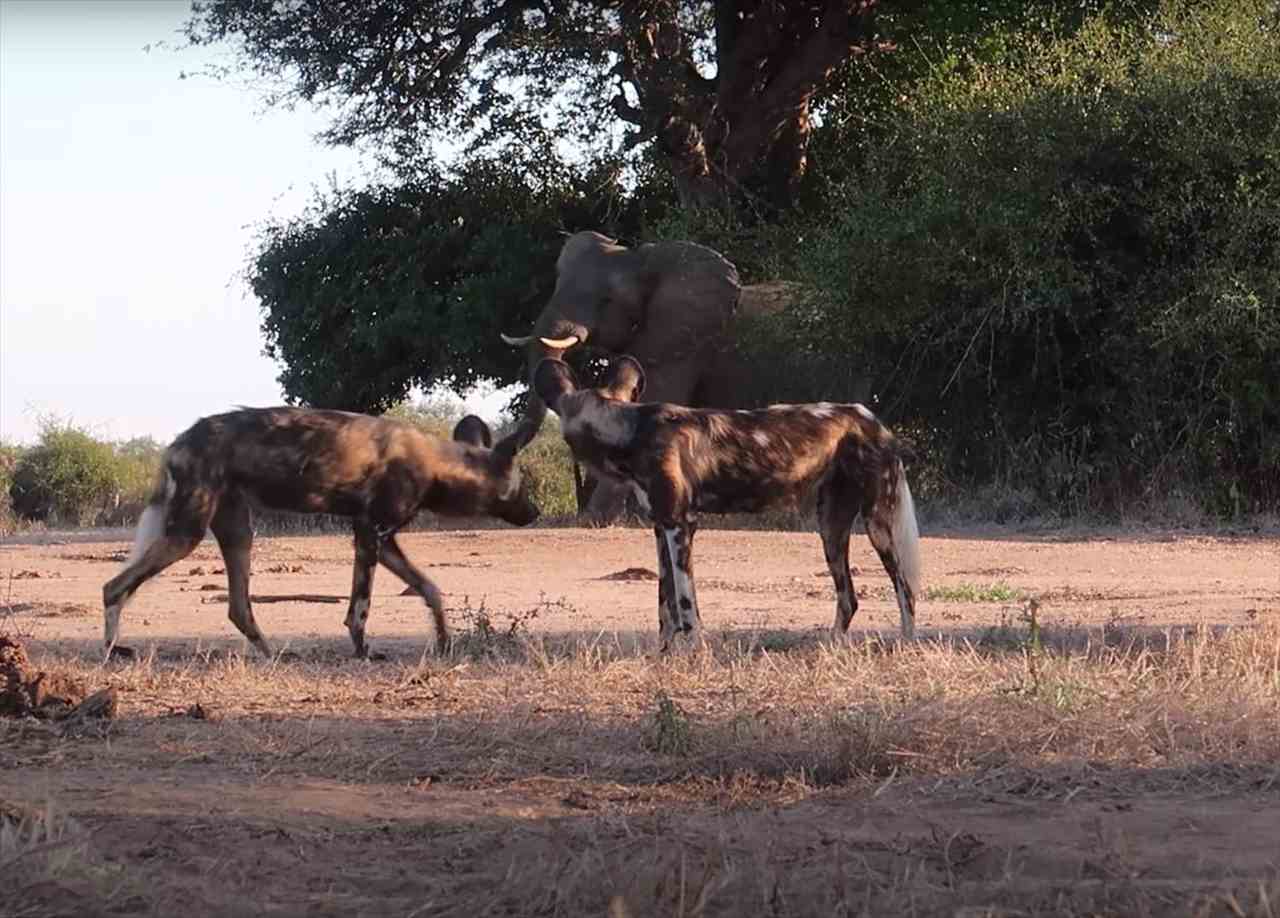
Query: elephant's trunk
x=563 y=332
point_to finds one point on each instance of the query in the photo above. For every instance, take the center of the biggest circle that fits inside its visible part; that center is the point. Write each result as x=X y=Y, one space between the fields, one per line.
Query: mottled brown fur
x=380 y=472
x=688 y=461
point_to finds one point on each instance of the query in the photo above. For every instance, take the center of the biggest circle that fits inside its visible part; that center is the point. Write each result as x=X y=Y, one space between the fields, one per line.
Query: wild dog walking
x=378 y=471
x=680 y=461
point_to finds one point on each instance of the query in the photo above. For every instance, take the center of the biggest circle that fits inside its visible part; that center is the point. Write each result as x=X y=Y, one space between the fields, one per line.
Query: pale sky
x=128 y=199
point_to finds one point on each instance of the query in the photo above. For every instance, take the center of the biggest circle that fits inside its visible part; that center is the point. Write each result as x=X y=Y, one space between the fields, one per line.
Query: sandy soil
x=214 y=835
x=768 y=580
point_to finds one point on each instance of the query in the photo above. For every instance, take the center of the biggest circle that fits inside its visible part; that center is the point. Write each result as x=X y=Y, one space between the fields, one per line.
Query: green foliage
x=970 y=592
x=68 y=476
x=433 y=414
x=71 y=477
x=548 y=462
x=375 y=291
x=719 y=93
x=10 y=454
x=1063 y=266
x=136 y=463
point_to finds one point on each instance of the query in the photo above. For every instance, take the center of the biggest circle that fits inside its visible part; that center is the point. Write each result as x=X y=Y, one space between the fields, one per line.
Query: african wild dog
x=378 y=471
x=680 y=461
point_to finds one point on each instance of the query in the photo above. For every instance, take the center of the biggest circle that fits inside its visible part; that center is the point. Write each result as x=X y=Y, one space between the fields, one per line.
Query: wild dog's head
x=553 y=379
x=624 y=382
x=511 y=500
x=591 y=418
x=473 y=430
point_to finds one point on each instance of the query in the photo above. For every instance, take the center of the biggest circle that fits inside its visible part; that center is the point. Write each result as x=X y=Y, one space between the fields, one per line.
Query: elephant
x=673 y=306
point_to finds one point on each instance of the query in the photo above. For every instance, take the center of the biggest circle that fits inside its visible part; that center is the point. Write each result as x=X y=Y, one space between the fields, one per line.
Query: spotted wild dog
x=681 y=461
x=377 y=471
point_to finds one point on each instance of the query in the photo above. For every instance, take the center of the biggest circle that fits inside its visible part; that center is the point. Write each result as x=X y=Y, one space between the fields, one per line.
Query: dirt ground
x=762 y=580
x=279 y=809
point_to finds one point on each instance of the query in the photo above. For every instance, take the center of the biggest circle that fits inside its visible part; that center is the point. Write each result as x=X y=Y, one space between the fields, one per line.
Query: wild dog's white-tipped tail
x=151 y=523
x=150 y=528
x=906 y=535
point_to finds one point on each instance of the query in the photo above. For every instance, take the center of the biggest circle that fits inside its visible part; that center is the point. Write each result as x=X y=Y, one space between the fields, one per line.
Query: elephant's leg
x=584 y=485
x=608 y=500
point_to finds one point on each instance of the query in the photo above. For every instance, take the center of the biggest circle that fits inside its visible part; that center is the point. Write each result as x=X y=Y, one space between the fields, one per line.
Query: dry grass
x=48 y=865
x=775 y=709
x=1047 y=718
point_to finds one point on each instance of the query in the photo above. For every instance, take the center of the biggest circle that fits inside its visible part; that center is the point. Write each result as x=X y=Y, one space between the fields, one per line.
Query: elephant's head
x=663 y=303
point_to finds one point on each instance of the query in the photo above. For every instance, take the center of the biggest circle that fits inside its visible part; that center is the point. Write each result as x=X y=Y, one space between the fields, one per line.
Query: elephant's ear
x=625 y=380
x=691 y=296
x=473 y=430
x=551 y=379
x=628 y=287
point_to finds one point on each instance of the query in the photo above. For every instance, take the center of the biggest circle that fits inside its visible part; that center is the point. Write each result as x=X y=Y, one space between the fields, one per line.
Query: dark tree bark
x=752 y=116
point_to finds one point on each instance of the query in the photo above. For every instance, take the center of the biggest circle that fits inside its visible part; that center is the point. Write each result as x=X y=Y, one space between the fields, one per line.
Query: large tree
x=723 y=91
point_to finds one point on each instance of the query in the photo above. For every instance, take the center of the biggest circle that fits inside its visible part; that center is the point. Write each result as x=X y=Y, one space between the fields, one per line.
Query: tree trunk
x=747 y=126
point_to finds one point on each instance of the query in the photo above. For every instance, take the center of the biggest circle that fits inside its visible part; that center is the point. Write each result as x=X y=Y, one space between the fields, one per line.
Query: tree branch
x=804 y=70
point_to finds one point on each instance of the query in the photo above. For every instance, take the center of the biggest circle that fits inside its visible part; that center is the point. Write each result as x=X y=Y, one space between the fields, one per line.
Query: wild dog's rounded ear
x=625 y=380
x=473 y=430
x=551 y=379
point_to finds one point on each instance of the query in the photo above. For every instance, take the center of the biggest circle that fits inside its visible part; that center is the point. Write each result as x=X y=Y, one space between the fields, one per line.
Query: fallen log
x=282 y=597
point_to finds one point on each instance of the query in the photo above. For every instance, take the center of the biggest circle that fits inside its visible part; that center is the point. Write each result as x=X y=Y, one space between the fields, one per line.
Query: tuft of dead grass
x=49 y=866
x=508 y=705
x=734 y=734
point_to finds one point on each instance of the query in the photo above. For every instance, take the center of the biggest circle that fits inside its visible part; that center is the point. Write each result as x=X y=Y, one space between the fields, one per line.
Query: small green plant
x=670 y=728
x=1008 y=635
x=969 y=592
x=482 y=637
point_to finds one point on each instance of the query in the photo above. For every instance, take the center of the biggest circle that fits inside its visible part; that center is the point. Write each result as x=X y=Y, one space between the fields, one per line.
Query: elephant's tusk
x=562 y=344
x=516 y=342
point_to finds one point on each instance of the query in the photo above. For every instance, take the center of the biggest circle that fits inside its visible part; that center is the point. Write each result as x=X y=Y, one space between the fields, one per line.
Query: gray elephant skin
x=674 y=306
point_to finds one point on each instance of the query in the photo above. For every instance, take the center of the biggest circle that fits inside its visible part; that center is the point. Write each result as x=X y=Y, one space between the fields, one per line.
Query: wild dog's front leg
x=398 y=564
x=366 y=544
x=682 y=601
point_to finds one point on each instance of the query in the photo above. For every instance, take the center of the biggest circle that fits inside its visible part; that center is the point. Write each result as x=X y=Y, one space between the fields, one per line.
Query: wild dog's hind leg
x=395 y=561
x=882 y=538
x=837 y=508
x=666 y=629
x=891 y=526
x=682 y=601
x=366 y=544
x=167 y=533
x=233 y=528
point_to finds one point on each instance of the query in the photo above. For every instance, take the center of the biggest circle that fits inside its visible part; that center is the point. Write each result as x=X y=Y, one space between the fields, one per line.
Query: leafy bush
x=68 y=476
x=431 y=415
x=418 y=280
x=548 y=462
x=137 y=461
x=1063 y=268
x=9 y=456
